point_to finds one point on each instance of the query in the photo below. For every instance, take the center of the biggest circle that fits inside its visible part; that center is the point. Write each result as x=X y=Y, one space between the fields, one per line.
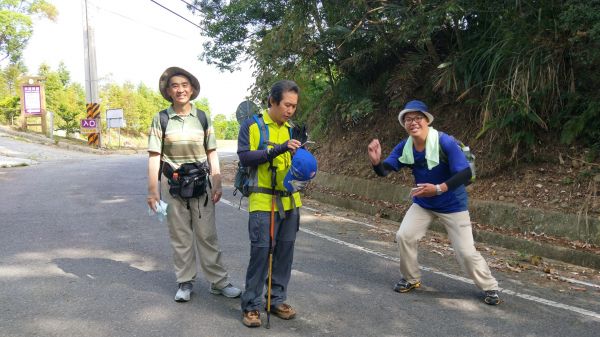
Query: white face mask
x=161 y=210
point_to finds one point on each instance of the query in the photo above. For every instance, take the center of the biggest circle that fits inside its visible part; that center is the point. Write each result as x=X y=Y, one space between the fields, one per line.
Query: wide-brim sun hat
x=304 y=168
x=415 y=106
x=163 y=82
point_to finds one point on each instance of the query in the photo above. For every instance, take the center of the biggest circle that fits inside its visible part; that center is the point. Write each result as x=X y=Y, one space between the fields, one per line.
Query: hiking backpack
x=241 y=182
x=469 y=156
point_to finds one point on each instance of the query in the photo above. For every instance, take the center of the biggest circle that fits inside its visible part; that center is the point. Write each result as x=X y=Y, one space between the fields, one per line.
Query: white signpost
x=115 y=120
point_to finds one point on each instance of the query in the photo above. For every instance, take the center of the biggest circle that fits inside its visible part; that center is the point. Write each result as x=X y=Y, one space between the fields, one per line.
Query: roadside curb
x=494 y=213
x=38 y=138
x=359 y=187
x=6 y=162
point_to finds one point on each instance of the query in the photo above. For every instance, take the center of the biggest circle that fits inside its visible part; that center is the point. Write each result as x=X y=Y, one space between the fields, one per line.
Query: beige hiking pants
x=458 y=225
x=192 y=229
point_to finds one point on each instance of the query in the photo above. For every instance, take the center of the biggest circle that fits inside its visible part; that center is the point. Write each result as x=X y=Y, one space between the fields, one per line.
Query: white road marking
x=565 y=279
x=583 y=283
x=458 y=278
x=229 y=203
x=434 y=271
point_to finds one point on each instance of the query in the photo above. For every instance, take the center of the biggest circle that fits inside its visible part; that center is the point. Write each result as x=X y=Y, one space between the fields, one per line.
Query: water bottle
x=471 y=159
x=467 y=151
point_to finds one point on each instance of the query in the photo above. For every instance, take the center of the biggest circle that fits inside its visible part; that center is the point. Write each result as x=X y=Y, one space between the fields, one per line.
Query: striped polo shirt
x=184 y=138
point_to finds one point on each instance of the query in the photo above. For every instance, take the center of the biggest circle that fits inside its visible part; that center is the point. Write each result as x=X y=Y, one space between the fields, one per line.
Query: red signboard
x=32 y=100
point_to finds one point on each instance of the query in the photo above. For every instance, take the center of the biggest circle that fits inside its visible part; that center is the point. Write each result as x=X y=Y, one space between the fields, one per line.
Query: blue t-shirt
x=453 y=200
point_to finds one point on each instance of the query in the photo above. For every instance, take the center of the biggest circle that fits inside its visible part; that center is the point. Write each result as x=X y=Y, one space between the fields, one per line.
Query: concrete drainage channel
x=496 y=214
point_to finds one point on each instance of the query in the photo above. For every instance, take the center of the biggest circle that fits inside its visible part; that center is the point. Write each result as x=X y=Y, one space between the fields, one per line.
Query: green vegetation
x=63 y=98
x=225 y=128
x=66 y=99
x=520 y=73
x=523 y=71
x=139 y=104
x=16 y=27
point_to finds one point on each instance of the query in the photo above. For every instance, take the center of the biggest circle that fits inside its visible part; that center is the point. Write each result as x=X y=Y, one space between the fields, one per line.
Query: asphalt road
x=79 y=256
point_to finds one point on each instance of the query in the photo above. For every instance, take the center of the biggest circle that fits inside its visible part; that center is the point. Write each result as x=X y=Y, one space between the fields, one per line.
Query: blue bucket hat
x=303 y=169
x=415 y=106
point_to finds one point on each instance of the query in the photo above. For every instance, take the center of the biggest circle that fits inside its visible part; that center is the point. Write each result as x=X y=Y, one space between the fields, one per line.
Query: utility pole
x=91 y=75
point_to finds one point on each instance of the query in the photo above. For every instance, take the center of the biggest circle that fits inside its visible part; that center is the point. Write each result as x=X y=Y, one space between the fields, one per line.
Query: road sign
x=88 y=123
x=93 y=112
x=32 y=99
x=88 y=126
x=114 y=118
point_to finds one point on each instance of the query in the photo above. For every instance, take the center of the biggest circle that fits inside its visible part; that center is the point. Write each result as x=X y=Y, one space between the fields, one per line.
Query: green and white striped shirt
x=184 y=138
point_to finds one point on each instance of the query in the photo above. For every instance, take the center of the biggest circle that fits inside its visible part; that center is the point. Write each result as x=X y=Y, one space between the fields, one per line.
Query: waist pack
x=190 y=180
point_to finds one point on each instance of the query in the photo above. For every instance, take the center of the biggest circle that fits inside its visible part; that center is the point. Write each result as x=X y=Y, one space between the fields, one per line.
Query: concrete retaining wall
x=490 y=213
x=496 y=214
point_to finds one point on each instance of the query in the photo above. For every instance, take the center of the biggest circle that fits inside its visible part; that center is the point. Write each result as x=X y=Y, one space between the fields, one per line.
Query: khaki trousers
x=458 y=225
x=190 y=230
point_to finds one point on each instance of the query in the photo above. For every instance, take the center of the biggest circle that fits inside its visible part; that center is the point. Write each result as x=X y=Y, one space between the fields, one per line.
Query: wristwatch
x=438 y=189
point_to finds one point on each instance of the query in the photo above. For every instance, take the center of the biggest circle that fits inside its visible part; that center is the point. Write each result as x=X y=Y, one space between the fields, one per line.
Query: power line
x=177 y=14
x=137 y=21
x=189 y=4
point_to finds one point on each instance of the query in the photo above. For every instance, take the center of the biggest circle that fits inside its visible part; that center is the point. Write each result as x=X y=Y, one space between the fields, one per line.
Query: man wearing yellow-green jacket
x=269 y=163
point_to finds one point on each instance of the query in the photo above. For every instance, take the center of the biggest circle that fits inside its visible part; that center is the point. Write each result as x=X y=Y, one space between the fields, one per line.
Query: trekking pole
x=271 y=236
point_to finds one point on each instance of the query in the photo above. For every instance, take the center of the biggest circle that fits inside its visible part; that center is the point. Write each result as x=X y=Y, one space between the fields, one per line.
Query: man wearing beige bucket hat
x=441 y=171
x=183 y=160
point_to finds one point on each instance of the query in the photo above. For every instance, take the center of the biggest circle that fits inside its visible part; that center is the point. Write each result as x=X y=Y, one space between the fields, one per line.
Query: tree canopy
x=16 y=26
x=523 y=70
x=67 y=101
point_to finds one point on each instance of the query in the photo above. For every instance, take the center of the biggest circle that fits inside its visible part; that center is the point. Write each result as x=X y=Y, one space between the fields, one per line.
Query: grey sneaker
x=491 y=297
x=228 y=291
x=184 y=292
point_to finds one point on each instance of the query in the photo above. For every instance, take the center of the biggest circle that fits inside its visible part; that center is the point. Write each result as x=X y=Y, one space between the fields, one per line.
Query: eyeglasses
x=409 y=120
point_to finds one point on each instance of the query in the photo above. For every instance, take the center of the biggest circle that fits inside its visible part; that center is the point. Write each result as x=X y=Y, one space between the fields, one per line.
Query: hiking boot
x=251 y=318
x=228 y=291
x=283 y=311
x=491 y=297
x=184 y=292
x=404 y=286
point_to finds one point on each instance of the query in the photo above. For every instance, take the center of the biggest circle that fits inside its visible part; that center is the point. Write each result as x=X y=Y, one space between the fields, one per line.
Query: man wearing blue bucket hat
x=278 y=168
x=441 y=171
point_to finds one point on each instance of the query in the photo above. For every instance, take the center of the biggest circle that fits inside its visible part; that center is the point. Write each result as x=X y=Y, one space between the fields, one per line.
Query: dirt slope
x=558 y=179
